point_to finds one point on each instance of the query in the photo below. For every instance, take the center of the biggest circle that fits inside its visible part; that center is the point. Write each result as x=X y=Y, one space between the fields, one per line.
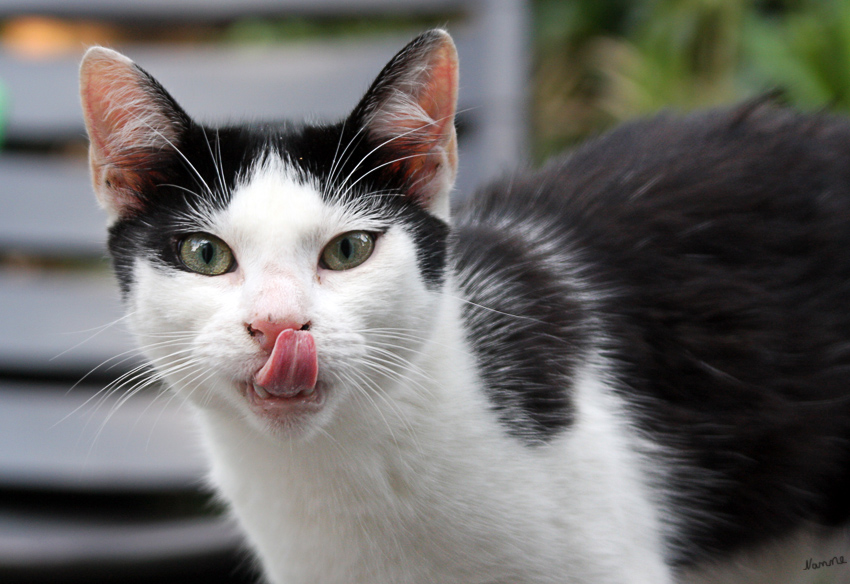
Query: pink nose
x=265 y=332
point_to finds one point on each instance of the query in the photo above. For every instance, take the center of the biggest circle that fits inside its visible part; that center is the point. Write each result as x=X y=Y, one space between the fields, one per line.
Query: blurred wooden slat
x=217 y=10
x=214 y=83
x=189 y=551
x=53 y=437
x=48 y=207
x=61 y=323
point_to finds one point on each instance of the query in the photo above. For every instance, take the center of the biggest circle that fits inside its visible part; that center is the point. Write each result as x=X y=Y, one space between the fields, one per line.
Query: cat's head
x=277 y=272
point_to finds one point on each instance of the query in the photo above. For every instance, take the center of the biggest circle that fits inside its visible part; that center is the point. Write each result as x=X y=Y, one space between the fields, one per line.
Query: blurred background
x=598 y=63
x=101 y=483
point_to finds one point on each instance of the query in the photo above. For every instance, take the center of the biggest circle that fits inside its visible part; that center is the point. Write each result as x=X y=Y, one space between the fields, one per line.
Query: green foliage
x=687 y=50
x=806 y=53
x=603 y=61
x=563 y=21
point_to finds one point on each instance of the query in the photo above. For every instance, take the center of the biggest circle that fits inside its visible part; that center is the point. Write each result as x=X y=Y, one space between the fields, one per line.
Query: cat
x=629 y=366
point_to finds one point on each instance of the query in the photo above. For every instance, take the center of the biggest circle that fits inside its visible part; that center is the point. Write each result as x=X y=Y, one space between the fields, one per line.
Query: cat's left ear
x=409 y=114
x=134 y=129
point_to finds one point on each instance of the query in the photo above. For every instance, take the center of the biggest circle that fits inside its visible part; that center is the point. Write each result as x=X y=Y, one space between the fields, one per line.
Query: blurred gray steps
x=100 y=486
x=62 y=323
x=62 y=551
x=87 y=439
x=48 y=207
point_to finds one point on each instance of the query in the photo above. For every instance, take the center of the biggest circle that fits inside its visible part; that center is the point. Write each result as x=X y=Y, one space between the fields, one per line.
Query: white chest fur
x=427 y=488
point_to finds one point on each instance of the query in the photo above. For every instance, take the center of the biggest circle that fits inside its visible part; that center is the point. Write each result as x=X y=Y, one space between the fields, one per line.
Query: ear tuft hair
x=409 y=112
x=132 y=123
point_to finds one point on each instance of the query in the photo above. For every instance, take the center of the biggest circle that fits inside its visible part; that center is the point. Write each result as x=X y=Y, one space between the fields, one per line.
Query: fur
x=628 y=366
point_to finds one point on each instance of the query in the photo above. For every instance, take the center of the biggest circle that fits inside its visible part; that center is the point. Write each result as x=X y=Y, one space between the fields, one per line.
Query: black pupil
x=207 y=252
x=345 y=248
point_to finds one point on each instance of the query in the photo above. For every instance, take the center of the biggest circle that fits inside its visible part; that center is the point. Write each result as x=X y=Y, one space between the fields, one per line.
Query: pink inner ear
x=439 y=95
x=129 y=127
x=111 y=96
x=425 y=147
x=109 y=118
x=434 y=90
x=121 y=108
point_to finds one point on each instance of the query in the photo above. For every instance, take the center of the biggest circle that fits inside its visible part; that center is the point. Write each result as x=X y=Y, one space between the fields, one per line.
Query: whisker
x=147 y=377
x=390 y=357
x=142 y=384
x=384 y=143
x=383 y=368
x=127 y=355
x=219 y=175
x=141 y=376
x=200 y=179
x=96 y=331
x=197 y=382
x=365 y=393
x=376 y=391
x=493 y=310
x=138 y=372
x=377 y=168
x=333 y=175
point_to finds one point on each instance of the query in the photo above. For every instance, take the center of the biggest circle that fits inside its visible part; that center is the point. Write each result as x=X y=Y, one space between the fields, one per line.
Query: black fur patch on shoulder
x=525 y=324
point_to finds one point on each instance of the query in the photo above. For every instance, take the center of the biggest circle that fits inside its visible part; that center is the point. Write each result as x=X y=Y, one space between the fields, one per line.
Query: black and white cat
x=630 y=366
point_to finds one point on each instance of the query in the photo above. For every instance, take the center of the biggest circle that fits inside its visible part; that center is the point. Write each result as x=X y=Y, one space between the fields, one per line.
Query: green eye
x=348 y=250
x=205 y=254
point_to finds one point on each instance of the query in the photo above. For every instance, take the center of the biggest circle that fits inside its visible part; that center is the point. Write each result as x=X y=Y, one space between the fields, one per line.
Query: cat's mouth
x=297 y=402
x=288 y=382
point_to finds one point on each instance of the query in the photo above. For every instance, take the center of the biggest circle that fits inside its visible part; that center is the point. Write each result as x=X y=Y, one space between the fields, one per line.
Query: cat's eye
x=205 y=254
x=348 y=250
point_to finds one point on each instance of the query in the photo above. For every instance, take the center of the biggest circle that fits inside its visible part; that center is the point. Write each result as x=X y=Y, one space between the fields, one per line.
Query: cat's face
x=279 y=275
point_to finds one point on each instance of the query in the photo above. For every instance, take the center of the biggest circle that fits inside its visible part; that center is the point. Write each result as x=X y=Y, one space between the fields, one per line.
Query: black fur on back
x=717 y=247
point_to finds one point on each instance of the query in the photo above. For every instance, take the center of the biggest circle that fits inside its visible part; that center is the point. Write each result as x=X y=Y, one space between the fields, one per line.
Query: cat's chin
x=283 y=408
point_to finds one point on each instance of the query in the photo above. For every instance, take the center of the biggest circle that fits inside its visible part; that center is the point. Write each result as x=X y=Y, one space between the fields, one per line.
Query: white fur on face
x=405 y=475
x=277 y=227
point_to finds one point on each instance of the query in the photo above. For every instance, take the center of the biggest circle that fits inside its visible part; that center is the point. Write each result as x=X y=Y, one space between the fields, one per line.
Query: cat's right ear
x=409 y=112
x=134 y=128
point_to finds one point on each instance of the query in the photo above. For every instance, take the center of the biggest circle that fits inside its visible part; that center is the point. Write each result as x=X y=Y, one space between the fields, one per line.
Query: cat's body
x=629 y=366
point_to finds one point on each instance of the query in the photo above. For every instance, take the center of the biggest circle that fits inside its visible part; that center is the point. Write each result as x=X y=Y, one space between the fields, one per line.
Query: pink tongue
x=292 y=366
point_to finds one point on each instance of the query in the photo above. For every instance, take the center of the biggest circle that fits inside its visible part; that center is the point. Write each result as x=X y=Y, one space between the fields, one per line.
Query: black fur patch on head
x=211 y=162
x=353 y=169
x=197 y=177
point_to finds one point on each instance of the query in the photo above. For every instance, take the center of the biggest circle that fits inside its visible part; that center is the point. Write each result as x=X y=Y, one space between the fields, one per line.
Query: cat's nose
x=265 y=332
